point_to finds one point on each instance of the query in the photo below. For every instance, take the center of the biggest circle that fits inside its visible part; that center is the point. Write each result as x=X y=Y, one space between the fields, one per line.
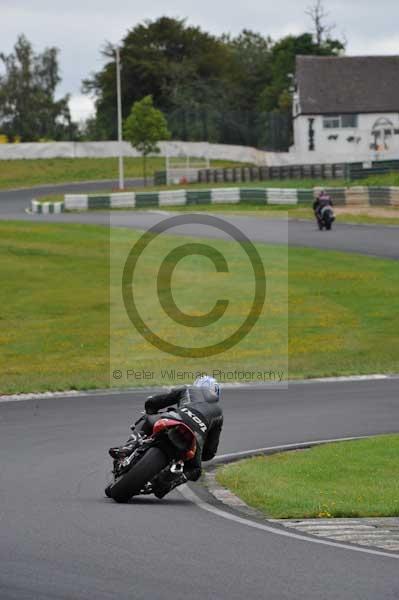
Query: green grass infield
x=347 y=479
x=369 y=217
x=55 y=310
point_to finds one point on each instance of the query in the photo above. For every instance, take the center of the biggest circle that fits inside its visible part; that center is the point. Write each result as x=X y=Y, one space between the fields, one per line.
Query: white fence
x=111 y=149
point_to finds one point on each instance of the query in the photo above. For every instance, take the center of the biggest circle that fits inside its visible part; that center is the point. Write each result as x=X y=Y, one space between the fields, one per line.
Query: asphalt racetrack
x=61 y=539
x=370 y=240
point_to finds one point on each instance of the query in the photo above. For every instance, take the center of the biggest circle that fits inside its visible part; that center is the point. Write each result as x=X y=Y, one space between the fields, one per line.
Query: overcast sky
x=80 y=27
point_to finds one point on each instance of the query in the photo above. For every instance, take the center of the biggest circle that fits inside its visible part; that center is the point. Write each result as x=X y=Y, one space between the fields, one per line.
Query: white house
x=346 y=109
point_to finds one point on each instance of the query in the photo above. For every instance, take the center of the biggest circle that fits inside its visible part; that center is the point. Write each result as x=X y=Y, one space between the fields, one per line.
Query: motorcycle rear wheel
x=152 y=463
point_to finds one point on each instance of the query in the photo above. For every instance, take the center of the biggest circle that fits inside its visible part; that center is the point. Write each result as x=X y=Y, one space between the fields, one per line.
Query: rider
x=198 y=407
x=323 y=199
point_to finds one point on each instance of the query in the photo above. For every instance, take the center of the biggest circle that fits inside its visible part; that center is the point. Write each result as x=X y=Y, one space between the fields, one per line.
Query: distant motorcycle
x=325 y=217
x=323 y=210
x=156 y=458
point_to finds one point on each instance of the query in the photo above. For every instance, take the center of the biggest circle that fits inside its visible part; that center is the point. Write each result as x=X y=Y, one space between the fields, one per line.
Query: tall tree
x=321 y=29
x=144 y=128
x=178 y=65
x=210 y=88
x=28 y=108
x=251 y=68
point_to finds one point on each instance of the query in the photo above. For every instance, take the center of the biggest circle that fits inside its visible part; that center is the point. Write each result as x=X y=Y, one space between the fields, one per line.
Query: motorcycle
x=156 y=458
x=325 y=218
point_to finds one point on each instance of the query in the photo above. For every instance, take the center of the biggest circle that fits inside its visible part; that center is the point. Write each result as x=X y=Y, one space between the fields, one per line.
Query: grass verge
x=345 y=479
x=55 y=310
x=26 y=173
x=30 y=172
x=368 y=216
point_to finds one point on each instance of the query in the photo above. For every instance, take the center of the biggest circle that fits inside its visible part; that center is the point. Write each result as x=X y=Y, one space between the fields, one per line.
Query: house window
x=349 y=121
x=332 y=122
x=338 y=121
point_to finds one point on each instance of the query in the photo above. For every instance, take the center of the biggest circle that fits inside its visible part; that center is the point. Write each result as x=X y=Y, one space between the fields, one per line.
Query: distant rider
x=198 y=407
x=322 y=200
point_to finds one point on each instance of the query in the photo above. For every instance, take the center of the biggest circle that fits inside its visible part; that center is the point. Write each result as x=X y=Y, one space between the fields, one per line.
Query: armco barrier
x=394 y=196
x=123 y=200
x=379 y=167
x=252 y=196
x=341 y=170
x=76 y=202
x=199 y=197
x=379 y=196
x=225 y=196
x=281 y=196
x=305 y=196
x=356 y=196
x=172 y=198
x=264 y=173
x=47 y=207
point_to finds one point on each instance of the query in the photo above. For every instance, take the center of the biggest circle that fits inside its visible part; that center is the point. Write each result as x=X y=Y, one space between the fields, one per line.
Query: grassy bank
x=26 y=173
x=368 y=216
x=347 y=479
x=55 y=310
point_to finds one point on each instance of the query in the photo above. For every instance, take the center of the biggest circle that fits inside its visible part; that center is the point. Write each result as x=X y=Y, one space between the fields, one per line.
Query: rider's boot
x=161 y=488
x=118 y=452
x=170 y=480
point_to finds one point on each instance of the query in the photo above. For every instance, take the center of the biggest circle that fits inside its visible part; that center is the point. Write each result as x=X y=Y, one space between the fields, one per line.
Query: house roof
x=348 y=84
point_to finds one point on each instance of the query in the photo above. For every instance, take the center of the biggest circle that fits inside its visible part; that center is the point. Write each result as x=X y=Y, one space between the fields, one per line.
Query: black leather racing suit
x=191 y=402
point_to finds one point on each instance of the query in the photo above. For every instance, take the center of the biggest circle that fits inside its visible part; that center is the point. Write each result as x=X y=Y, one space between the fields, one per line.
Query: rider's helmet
x=324 y=195
x=206 y=381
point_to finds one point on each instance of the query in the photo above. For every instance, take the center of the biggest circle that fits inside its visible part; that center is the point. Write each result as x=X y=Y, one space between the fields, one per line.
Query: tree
x=318 y=15
x=210 y=88
x=178 y=65
x=251 y=68
x=27 y=95
x=144 y=128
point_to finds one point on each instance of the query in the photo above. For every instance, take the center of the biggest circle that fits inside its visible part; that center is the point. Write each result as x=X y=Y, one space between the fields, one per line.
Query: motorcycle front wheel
x=130 y=484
